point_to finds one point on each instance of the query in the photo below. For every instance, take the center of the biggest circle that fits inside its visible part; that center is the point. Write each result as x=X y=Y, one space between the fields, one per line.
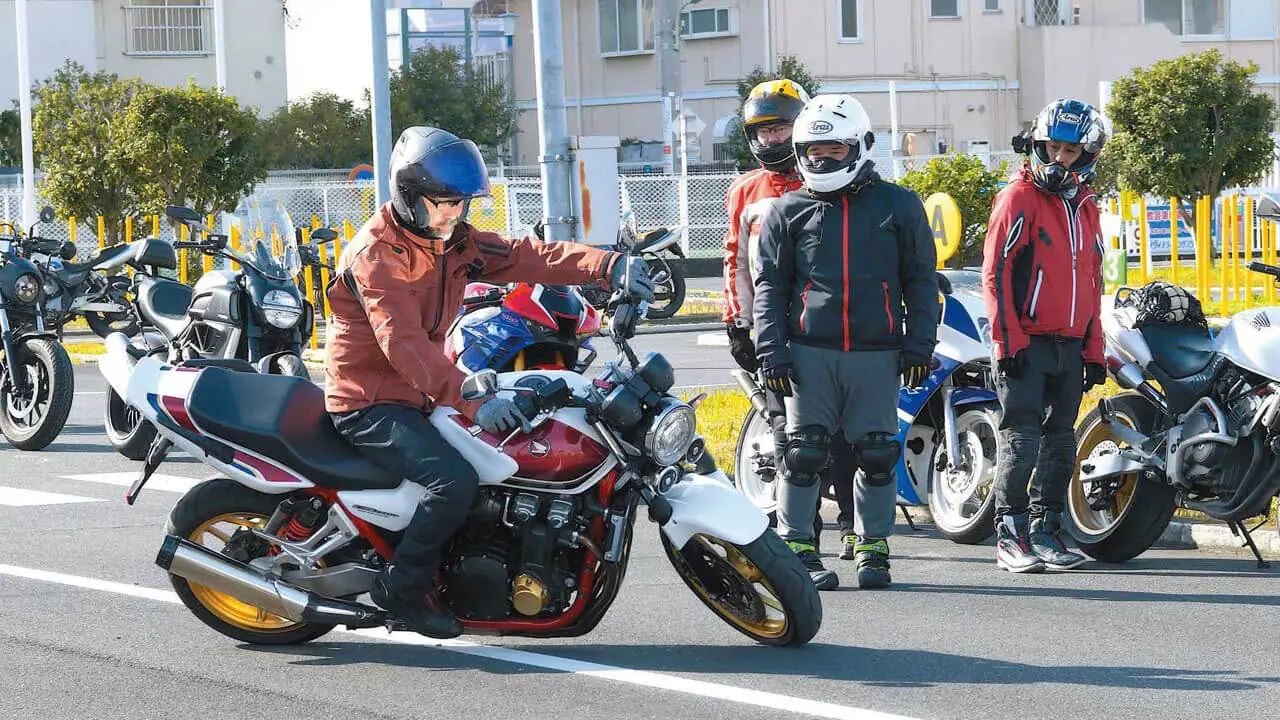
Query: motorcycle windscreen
x=262 y=235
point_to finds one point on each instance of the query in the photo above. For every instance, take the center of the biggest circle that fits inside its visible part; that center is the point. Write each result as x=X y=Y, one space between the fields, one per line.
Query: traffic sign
x=944 y=220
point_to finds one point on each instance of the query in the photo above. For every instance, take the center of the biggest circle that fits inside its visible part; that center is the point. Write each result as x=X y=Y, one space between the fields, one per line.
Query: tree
x=435 y=88
x=788 y=68
x=1189 y=127
x=320 y=131
x=79 y=134
x=10 y=138
x=968 y=181
x=192 y=146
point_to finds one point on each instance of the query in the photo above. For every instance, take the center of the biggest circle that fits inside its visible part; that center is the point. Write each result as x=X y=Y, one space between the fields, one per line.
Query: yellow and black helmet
x=772 y=102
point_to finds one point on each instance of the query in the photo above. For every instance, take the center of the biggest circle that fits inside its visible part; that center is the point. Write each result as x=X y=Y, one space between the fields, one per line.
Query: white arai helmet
x=833 y=118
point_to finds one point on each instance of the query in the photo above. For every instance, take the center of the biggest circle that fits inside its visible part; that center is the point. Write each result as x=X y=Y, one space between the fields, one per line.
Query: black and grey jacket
x=849 y=271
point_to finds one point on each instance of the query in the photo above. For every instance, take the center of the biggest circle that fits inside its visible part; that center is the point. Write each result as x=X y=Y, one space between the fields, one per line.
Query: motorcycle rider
x=846 y=302
x=397 y=285
x=1042 y=282
x=767 y=117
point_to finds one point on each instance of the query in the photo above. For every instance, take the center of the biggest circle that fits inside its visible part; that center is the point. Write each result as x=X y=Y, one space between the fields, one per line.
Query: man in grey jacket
x=846 y=302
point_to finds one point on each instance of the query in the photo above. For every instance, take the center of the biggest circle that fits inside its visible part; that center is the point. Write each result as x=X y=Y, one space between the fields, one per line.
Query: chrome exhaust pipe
x=200 y=565
x=752 y=389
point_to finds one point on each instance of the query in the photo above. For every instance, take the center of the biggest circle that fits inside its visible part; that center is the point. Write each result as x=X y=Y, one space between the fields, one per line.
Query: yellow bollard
x=1175 y=209
x=102 y=232
x=128 y=229
x=183 y=234
x=1144 y=246
x=324 y=281
x=71 y=229
x=1204 y=231
x=1248 y=237
x=1269 y=253
x=235 y=245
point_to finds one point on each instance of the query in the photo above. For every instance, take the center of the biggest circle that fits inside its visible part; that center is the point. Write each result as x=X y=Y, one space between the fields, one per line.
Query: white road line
x=18 y=497
x=159 y=481
x=661 y=681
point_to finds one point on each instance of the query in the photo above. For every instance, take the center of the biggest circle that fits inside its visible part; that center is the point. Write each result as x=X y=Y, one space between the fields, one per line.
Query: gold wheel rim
x=773 y=623
x=1098 y=439
x=226 y=608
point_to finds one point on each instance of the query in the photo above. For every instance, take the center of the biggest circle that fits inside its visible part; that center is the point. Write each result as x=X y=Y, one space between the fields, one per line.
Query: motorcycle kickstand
x=1238 y=529
x=906 y=514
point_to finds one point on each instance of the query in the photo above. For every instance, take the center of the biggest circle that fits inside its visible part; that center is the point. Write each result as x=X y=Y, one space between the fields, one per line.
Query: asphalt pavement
x=91 y=630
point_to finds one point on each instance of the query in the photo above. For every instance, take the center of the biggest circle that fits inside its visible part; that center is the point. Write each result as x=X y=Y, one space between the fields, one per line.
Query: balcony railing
x=162 y=29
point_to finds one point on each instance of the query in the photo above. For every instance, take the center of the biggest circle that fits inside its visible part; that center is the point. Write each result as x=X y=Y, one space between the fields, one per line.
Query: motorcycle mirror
x=627 y=230
x=46 y=214
x=179 y=213
x=67 y=251
x=1268 y=208
x=323 y=235
x=480 y=385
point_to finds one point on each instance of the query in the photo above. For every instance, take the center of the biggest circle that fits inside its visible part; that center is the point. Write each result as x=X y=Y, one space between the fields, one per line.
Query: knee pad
x=806 y=455
x=878 y=454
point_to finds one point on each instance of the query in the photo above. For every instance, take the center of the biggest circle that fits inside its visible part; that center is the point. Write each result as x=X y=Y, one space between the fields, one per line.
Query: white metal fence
x=695 y=201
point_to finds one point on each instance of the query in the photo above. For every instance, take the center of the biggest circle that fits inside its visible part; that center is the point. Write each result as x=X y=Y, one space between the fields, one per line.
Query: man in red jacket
x=1042 y=281
x=398 y=285
x=767 y=117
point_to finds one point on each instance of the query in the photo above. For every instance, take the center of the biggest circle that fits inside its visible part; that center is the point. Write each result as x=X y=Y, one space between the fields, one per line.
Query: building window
x=708 y=22
x=1045 y=12
x=850 y=12
x=626 y=26
x=1187 y=17
x=168 y=27
x=944 y=8
x=991 y=6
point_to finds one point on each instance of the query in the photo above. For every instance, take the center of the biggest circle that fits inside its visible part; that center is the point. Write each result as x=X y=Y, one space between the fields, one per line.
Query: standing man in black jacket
x=846 y=303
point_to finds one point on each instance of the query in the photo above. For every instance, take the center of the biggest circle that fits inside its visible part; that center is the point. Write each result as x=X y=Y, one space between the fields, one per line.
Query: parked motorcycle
x=277 y=550
x=37 y=382
x=668 y=277
x=947 y=427
x=1207 y=438
x=90 y=289
x=523 y=327
x=256 y=314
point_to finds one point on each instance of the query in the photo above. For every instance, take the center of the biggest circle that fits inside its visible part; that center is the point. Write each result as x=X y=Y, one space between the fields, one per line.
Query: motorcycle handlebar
x=1265 y=268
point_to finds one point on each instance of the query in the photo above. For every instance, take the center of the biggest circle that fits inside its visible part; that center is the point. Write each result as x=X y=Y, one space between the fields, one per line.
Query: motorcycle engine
x=1202 y=462
x=504 y=561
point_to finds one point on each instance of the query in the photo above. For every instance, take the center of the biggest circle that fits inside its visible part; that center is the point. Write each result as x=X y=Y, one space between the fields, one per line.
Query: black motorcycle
x=90 y=289
x=668 y=277
x=37 y=382
x=255 y=313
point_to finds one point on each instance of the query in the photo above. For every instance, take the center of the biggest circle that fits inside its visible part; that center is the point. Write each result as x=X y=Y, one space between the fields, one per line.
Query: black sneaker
x=421 y=610
x=1046 y=543
x=847 y=543
x=823 y=579
x=1013 y=548
x=872 y=558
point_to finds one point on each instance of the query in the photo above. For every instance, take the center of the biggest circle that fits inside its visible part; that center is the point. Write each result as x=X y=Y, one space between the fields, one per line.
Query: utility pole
x=220 y=42
x=24 y=111
x=553 y=122
x=381 y=102
x=669 y=81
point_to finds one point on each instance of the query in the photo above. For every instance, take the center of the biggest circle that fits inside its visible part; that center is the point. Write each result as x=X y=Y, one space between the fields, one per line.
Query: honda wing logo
x=537 y=448
x=1260 y=321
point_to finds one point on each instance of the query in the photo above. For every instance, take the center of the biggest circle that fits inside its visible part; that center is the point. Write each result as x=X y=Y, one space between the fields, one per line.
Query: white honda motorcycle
x=279 y=549
x=1207 y=439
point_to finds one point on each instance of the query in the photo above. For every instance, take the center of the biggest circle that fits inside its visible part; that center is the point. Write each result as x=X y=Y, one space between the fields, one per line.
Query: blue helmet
x=1071 y=121
x=428 y=161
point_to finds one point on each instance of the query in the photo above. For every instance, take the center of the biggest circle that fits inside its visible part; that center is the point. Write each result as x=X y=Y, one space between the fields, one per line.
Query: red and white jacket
x=746 y=201
x=1042 y=268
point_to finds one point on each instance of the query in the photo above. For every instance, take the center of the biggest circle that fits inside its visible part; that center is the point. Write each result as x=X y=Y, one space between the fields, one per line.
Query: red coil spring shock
x=303 y=522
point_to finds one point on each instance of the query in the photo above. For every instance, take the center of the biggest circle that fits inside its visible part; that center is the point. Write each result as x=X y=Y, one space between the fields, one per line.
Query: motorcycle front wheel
x=760 y=589
x=1117 y=519
x=669 y=288
x=32 y=420
x=753 y=460
x=127 y=431
x=962 y=500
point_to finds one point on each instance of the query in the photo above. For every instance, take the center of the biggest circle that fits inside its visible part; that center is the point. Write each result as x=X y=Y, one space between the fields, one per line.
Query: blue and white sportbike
x=947 y=427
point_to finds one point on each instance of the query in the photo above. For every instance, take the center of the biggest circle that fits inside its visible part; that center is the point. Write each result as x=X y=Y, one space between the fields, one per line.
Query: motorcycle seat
x=282 y=418
x=1181 y=350
x=163 y=303
x=103 y=257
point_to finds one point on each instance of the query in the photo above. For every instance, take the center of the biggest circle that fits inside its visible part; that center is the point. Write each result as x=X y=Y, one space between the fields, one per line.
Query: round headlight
x=27 y=288
x=671 y=433
x=50 y=286
x=281 y=309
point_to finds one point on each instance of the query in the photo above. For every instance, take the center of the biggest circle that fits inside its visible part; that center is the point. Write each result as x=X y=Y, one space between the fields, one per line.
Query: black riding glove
x=1012 y=367
x=1094 y=374
x=914 y=368
x=742 y=348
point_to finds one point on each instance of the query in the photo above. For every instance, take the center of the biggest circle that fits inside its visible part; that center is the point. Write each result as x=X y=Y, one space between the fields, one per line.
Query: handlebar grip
x=1264 y=268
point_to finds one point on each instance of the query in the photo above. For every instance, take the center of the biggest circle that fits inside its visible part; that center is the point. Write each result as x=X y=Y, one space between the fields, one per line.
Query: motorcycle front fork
x=949 y=432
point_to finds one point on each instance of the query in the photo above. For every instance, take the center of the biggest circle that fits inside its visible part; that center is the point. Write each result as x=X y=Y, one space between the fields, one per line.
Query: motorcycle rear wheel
x=1139 y=509
x=669 y=293
x=760 y=589
x=127 y=431
x=214 y=511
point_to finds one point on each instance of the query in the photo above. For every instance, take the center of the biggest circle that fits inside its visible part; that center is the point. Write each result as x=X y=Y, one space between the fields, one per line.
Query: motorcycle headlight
x=26 y=288
x=671 y=433
x=50 y=287
x=281 y=309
